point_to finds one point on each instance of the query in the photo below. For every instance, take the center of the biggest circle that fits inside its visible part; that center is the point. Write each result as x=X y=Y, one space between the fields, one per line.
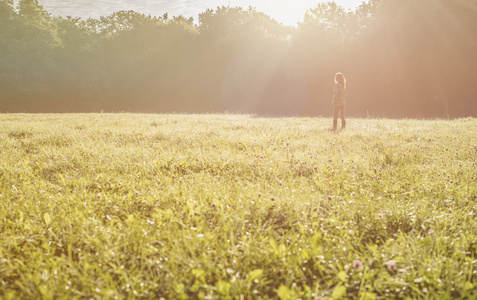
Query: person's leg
x=336 y=111
x=343 y=121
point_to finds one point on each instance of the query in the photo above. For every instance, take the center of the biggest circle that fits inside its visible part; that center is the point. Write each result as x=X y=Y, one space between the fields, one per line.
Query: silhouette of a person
x=339 y=96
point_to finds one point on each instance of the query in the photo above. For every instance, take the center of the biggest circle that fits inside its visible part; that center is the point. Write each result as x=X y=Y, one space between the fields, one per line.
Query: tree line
x=401 y=58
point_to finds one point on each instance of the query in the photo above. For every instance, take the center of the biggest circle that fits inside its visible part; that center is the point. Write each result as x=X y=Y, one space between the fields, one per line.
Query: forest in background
x=402 y=58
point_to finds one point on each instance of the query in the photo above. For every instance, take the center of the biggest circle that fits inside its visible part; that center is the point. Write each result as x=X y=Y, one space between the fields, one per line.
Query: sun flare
x=290 y=12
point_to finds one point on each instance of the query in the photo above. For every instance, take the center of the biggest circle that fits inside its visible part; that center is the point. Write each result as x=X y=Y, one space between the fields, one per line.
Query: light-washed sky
x=288 y=12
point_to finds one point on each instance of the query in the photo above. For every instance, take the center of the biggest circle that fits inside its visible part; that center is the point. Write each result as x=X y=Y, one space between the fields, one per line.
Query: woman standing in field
x=339 y=95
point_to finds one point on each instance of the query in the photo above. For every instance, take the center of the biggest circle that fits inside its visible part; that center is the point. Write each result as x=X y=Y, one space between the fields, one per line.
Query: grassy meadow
x=129 y=206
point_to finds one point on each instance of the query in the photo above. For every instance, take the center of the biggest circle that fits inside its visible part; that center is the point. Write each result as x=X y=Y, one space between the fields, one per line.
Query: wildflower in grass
x=357 y=264
x=143 y=201
x=391 y=265
x=329 y=197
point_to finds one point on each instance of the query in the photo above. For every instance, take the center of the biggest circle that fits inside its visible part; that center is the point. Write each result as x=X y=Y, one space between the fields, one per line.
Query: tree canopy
x=402 y=58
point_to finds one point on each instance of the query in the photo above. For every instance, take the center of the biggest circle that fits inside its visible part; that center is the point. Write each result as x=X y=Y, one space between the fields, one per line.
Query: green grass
x=124 y=206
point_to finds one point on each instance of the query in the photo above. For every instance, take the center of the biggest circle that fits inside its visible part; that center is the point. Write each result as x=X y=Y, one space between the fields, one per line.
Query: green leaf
x=274 y=246
x=199 y=274
x=304 y=254
x=342 y=276
x=338 y=292
x=223 y=287
x=284 y=293
x=314 y=241
x=368 y=296
x=468 y=286
x=398 y=258
x=179 y=288
x=47 y=219
x=130 y=219
x=255 y=274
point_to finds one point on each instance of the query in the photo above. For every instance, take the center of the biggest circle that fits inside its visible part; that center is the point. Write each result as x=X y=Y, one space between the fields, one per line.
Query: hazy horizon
x=400 y=58
x=286 y=12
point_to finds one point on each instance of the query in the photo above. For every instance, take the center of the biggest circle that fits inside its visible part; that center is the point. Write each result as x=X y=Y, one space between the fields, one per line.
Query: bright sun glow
x=286 y=11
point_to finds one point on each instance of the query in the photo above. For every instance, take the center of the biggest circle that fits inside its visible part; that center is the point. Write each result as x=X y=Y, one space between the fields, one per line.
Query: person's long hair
x=339 y=78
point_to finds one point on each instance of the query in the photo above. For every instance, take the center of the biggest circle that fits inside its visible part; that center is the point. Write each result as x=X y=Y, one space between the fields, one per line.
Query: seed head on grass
x=357 y=264
x=391 y=265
